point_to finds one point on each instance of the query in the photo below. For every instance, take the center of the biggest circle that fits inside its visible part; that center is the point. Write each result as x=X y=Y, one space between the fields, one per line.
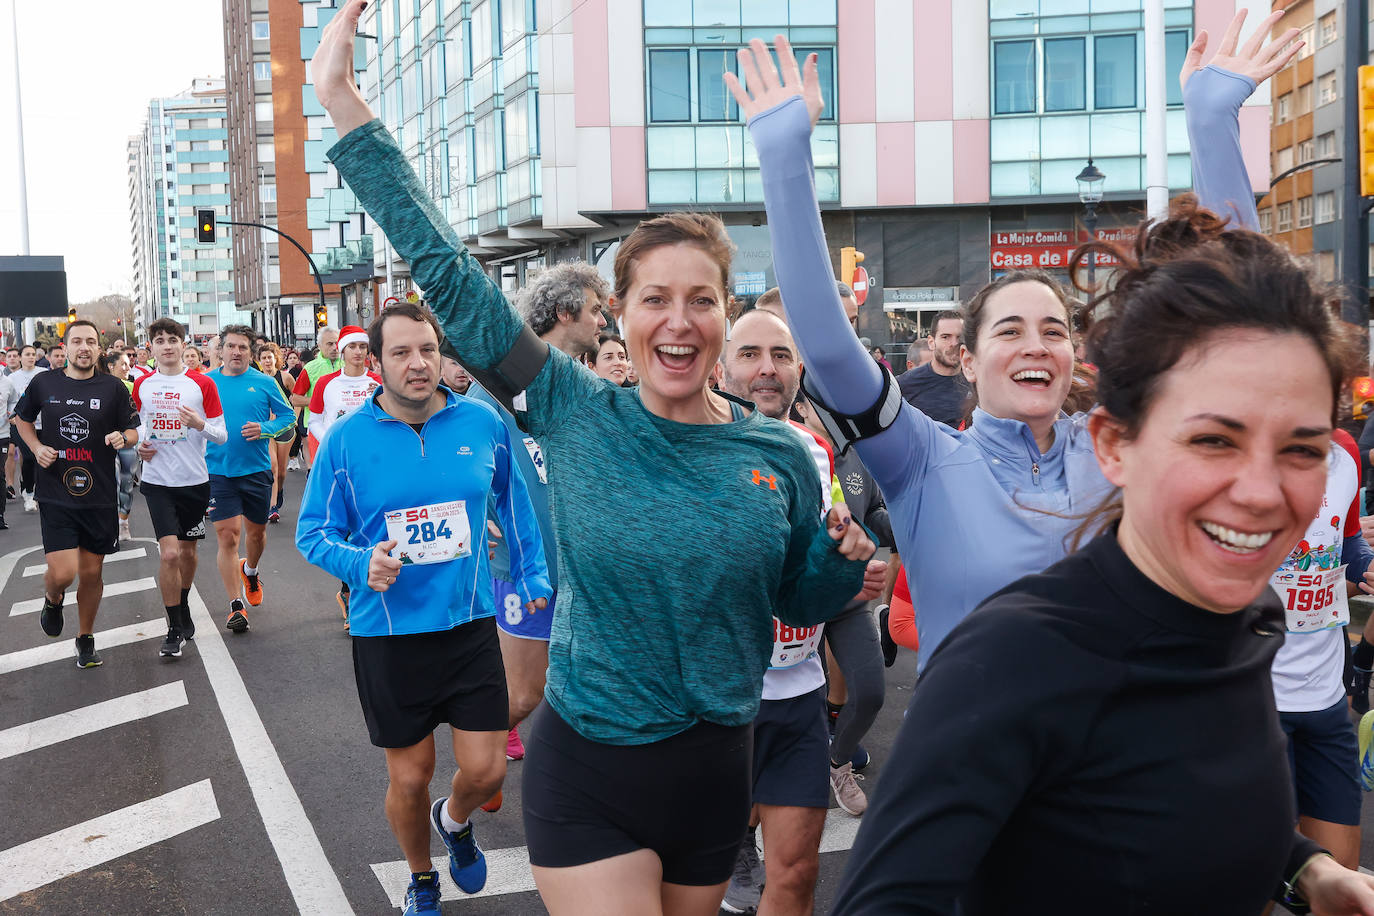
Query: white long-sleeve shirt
x=180 y=458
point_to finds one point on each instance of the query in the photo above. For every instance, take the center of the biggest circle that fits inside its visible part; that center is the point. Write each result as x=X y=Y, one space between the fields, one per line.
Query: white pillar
x=1156 y=99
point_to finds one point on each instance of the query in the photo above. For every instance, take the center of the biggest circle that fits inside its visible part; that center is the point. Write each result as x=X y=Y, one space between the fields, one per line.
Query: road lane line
x=39 y=568
x=313 y=883
x=508 y=870
x=62 y=650
x=38 y=862
x=112 y=590
x=8 y=560
x=89 y=719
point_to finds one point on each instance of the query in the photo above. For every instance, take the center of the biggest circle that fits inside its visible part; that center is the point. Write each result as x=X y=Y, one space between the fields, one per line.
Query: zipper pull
x=1035 y=473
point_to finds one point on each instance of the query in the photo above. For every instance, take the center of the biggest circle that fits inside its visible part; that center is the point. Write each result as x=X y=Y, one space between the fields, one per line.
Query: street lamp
x=1090 y=182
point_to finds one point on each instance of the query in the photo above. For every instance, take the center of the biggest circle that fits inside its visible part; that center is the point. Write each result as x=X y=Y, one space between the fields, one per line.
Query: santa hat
x=351 y=334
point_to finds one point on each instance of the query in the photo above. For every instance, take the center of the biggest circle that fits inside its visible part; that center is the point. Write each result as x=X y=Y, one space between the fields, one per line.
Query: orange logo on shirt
x=760 y=480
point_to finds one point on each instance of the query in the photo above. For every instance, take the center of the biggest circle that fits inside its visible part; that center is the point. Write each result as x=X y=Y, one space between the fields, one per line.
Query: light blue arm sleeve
x=281 y=408
x=1211 y=104
x=519 y=523
x=325 y=522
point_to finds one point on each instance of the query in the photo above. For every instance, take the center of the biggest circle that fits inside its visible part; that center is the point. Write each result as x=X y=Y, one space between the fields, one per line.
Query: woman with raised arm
x=973 y=509
x=1102 y=736
x=637 y=775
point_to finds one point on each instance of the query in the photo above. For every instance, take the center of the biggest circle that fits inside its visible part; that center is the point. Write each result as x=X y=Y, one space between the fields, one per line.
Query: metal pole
x=319 y=283
x=1091 y=222
x=1156 y=145
x=29 y=330
x=1354 y=222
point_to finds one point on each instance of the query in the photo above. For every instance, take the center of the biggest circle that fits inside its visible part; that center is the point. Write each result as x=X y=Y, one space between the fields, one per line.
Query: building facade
x=545 y=129
x=181 y=164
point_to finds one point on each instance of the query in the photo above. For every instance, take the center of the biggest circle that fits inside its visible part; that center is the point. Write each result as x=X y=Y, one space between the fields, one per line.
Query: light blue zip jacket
x=972 y=510
x=372 y=463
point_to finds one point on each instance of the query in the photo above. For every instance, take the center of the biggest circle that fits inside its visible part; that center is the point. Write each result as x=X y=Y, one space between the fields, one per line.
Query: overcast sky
x=87 y=70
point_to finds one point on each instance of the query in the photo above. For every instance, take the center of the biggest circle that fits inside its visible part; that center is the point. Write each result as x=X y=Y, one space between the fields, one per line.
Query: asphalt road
x=238 y=778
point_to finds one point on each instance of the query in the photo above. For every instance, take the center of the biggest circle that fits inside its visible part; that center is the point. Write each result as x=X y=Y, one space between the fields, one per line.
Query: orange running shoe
x=252 y=585
x=493 y=804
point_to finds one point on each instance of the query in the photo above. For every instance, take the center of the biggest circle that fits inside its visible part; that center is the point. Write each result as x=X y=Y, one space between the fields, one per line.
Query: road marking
x=38 y=862
x=8 y=560
x=313 y=883
x=89 y=719
x=62 y=650
x=508 y=870
x=39 y=568
x=113 y=589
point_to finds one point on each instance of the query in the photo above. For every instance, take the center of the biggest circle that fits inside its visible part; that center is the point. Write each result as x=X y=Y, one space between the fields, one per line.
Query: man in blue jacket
x=397 y=508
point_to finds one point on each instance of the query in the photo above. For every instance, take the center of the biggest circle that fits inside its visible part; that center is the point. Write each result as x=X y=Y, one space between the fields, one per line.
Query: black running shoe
x=171 y=646
x=238 y=620
x=188 y=626
x=86 y=656
x=51 y=618
x=885 y=637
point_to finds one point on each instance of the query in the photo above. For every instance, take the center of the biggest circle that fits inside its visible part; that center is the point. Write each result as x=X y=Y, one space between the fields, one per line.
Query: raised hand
x=1258 y=59
x=332 y=70
x=765 y=88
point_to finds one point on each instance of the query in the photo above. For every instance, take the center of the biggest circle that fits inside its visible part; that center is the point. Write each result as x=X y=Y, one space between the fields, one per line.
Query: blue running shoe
x=423 y=894
x=466 y=864
x=1366 y=738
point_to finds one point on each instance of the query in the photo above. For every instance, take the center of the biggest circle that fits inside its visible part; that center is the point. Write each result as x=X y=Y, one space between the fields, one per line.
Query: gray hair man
x=564 y=305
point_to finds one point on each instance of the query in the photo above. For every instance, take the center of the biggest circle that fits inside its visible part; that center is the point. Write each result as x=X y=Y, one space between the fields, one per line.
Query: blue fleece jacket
x=971 y=510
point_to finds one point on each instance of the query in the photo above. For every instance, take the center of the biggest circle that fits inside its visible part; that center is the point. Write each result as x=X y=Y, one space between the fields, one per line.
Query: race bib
x=793 y=645
x=1312 y=601
x=430 y=534
x=164 y=422
x=537 y=457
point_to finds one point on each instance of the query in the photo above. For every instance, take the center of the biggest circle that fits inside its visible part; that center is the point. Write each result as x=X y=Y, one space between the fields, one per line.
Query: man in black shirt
x=87 y=418
x=938 y=389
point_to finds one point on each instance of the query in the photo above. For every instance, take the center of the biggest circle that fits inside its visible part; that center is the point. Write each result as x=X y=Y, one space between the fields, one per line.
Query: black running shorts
x=409 y=685
x=685 y=797
x=94 y=530
x=248 y=496
x=177 y=511
x=791 y=752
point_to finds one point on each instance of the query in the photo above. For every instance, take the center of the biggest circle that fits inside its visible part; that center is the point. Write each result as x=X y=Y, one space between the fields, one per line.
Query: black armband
x=845 y=428
x=517 y=371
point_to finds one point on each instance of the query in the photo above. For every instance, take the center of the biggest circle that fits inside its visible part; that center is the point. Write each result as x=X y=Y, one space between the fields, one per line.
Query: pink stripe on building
x=971 y=179
x=1254 y=145
x=629 y=185
x=591 y=65
x=896 y=164
x=857 y=72
x=933 y=41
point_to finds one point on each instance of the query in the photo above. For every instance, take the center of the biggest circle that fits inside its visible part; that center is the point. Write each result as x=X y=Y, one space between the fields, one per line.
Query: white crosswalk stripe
x=508 y=870
x=38 y=862
x=39 y=568
x=88 y=719
x=61 y=649
x=112 y=590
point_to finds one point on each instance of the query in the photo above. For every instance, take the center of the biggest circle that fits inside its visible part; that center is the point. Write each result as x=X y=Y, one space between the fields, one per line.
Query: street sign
x=390 y=301
x=860 y=285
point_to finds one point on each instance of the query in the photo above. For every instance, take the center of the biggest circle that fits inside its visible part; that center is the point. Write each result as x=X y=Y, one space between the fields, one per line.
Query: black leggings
x=685 y=797
x=28 y=465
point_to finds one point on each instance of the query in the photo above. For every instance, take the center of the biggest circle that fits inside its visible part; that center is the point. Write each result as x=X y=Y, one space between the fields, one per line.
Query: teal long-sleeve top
x=249 y=397
x=715 y=529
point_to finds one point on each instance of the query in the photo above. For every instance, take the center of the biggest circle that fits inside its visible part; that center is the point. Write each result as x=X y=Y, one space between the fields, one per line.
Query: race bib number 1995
x=435 y=533
x=1313 y=600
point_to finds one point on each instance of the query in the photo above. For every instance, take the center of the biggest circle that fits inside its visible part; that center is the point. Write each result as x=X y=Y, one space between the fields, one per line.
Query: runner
x=938 y=388
x=241 y=469
x=270 y=363
x=564 y=305
x=8 y=400
x=336 y=395
x=455 y=376
x=611 y=362
x=117 y=364
x=21 y=378
x=179 y=411
x=636 y=782
x=326 y=361
x=192 y=358
x=87 y=416
x=420 y=661
x=790 y=791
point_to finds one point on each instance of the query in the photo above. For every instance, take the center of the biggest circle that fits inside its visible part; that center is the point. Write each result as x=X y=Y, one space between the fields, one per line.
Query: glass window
x=714 y=101
x=1015 y=139
x=1014 y=77
x=1326 y=207
x=808 y=12
x=1284 y=109
x=1266 y=221
x=669 y=86
x=1175 y=50
x=711 y=13
x=721 y=186
x=671 y=147
x=262 y=70
x=672 y=187
x=1283 y=160
x=261 y=30
x=667 y=13
x=481 y=34
x=1326 y=145
x=1285 y=217
x=518 y=127
x=1304 y=97
x=1327 y=89
x=719 y=147
x=490 y=156
x=1305 y=149
x=1327 y=25
x=825 y=70
x=514 y=15
x=1065 y=74
x=1304 y=212
x=1114 y=71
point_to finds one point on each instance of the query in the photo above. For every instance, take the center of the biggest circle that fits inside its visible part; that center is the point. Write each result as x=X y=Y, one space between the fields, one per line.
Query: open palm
x=1258 y=59
x=763 y=87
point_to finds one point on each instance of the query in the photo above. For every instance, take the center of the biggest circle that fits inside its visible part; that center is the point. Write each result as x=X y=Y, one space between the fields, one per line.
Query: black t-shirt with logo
x=77 y=416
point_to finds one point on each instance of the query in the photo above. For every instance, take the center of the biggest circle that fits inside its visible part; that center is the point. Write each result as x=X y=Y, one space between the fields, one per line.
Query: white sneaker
x=293 y=465
x=124 y=534
x=848 y=795
x=29 y=504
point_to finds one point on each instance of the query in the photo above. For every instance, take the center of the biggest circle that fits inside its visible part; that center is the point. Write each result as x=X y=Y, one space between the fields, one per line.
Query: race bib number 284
x=435 y=533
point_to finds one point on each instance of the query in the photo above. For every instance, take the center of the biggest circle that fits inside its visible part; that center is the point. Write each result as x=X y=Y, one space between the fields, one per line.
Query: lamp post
x=1090 y=182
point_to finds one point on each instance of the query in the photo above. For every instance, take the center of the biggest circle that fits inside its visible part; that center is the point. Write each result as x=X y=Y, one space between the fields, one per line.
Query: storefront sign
x=1050 y=249
x=750 y=283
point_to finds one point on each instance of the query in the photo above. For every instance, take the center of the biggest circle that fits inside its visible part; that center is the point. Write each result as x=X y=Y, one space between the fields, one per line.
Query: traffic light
x=1366 y=90
x=205 y=226
x=71 y=313
x=321 y=316
x=1362 y=397
x=850 y=259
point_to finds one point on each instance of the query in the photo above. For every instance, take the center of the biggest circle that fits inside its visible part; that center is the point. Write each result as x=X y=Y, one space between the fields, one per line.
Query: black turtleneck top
x=1086 y=743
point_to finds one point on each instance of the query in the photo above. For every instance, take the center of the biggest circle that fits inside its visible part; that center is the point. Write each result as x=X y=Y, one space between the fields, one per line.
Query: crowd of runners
x=1123 y=557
